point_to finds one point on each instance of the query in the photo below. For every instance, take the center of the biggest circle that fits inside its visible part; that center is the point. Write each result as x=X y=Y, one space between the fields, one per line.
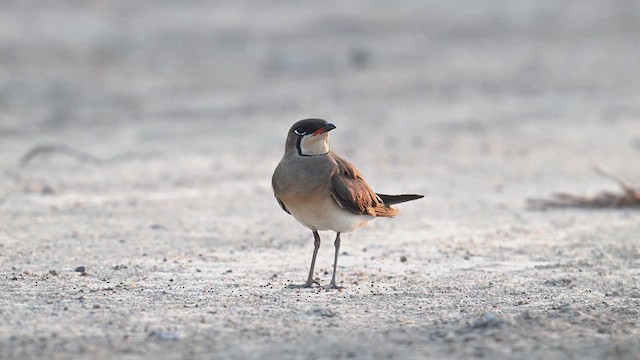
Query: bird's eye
x=299 y=132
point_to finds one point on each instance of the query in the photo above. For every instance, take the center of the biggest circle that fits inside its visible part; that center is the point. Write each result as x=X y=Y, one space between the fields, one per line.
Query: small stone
x=81 y=269
x=489 y=320
x=359 y=58
x=561 y=282
x=322 y=312
x=403 y=258
x=158 y=227
x=165 y=335
x=53 y=272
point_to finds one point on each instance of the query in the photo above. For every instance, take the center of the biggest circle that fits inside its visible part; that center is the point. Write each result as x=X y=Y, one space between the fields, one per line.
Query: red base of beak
x=328 y=127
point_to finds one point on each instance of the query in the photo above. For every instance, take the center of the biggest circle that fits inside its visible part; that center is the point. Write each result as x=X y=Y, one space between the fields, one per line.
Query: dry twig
x=630 y=197
x=79 y=155
x=40 y=150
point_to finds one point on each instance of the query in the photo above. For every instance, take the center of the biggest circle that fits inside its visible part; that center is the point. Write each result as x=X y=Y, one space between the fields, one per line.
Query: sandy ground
x=168 y=243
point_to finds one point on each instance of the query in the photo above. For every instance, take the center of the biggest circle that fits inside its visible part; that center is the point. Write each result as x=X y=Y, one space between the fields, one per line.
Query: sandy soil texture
x=151 y=230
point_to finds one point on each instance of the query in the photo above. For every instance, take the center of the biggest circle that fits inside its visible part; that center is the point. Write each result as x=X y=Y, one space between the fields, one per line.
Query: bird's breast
x=321 y=212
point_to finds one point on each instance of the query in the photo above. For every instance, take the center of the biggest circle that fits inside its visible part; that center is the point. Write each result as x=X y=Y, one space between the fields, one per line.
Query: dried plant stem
x=44 y=149
x=79 y=155
x=630 y=197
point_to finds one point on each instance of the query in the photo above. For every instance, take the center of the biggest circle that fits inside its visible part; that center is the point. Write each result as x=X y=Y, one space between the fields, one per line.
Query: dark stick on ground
x=44 y=149
x=630 y=197
x=79 y=155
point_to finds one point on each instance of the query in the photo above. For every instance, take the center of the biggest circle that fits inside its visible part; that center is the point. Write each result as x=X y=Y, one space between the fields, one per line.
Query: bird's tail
x=396 y=199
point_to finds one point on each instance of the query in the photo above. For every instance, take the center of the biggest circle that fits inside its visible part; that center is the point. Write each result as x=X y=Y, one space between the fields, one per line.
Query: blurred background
x=527 y=90
x=123 y=68
x=526 y=95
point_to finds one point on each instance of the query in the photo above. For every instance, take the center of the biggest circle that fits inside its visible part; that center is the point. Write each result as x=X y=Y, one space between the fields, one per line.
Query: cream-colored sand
x=186 y=253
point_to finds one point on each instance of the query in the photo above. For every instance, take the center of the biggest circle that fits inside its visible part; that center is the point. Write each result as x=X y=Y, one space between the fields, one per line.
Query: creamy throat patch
x=314 y=145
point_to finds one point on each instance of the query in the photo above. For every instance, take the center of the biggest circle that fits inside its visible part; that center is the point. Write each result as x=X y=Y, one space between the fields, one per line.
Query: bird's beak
x=326 y=128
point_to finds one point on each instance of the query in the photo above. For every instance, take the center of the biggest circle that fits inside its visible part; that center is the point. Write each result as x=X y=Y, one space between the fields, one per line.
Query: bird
x=323 y=191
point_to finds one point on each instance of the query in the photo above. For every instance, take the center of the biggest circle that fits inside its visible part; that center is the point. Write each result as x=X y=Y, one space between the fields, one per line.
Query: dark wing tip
x=396 y=199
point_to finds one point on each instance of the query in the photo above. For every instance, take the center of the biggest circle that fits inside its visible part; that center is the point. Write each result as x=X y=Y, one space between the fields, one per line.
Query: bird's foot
x=333 y=286
x=306 y=285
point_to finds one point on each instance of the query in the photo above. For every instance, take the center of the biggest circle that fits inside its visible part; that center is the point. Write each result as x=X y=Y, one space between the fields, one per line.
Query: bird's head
x=309 y=137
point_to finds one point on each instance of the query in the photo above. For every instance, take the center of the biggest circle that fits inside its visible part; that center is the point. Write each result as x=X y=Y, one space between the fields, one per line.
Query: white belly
x=327 y=215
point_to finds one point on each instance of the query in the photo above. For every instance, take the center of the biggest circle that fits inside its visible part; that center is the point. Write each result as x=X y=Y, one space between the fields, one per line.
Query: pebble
x=162 y=335
x=322 y=312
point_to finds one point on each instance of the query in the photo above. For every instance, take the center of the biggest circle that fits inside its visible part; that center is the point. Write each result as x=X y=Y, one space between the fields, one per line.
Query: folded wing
x=352 y=193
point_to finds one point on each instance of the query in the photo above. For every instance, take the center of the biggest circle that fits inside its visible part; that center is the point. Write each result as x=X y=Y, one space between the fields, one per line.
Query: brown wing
x=352 y=193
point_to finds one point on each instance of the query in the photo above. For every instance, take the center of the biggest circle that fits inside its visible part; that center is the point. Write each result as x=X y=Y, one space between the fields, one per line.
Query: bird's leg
x=310 y=281
x=316 y=246
x=332 y=284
